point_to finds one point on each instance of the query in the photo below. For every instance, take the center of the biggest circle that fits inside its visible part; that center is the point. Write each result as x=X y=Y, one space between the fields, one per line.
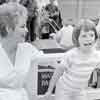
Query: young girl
x=77 y=65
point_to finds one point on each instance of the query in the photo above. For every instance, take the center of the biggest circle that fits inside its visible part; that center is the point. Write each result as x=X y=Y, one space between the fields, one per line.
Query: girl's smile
x=86 y=39
x=87 y=44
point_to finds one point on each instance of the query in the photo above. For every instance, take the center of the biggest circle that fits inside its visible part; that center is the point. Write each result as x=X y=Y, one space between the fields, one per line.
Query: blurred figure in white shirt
x=64 y=37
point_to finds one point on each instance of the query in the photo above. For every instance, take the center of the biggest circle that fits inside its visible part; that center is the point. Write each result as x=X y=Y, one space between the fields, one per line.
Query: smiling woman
x=12 y=18
x=12 y=27
x=15 y=55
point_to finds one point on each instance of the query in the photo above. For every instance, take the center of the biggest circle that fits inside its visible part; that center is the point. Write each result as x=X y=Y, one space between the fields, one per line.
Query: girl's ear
x=9 y=29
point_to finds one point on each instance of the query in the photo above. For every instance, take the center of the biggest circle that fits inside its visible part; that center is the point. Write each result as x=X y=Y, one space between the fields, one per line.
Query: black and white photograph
x=49 y=49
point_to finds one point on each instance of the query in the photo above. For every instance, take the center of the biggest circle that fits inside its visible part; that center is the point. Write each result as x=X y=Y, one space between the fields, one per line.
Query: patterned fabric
x=78 y=69
x=31 y=5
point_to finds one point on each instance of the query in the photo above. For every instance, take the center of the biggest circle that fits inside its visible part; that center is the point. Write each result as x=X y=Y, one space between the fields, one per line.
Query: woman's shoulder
x=27 y=46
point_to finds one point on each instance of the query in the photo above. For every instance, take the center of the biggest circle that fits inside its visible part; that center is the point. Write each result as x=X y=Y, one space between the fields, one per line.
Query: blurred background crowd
x=44 y=18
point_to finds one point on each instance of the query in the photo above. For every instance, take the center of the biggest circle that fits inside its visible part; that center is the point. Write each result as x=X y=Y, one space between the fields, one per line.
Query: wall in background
x=73 y=10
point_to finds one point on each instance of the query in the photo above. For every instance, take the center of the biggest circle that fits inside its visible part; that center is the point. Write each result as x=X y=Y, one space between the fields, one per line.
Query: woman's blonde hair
x=86 y=25
x=9 y=16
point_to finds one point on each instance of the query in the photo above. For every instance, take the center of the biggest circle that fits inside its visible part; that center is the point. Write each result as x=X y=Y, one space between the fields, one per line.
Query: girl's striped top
x=78 y=68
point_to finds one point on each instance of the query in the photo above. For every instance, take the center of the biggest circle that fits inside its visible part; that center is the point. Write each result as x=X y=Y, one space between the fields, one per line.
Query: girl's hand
x=52 y=35
x=47 y=96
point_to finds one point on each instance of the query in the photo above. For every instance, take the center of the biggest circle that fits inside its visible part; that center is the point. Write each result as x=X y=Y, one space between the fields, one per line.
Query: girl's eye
x=92 y=35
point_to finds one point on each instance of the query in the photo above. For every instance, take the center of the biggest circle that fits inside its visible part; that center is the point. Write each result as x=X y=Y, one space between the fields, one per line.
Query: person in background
x=51 y=18
x=32 y=22
x=54 y=13
x=15 y=53
x=64 y=37
x=72 y=74
x=2 y=1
